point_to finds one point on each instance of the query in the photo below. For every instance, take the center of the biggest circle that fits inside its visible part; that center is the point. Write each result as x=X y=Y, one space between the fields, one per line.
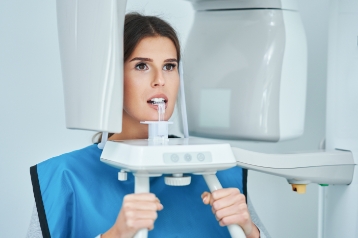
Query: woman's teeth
x=157 y=100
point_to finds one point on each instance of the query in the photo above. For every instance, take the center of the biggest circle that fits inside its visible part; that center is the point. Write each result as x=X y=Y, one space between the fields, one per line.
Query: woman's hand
x=229 y=207
x=138 y=211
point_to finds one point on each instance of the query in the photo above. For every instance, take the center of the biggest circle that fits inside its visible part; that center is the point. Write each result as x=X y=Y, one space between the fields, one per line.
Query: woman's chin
x=153 y=118
x=152 y=115
x=150 y=118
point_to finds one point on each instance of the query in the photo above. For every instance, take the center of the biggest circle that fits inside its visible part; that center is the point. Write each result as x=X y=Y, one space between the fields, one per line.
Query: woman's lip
x=161 y=95
x=155 y=106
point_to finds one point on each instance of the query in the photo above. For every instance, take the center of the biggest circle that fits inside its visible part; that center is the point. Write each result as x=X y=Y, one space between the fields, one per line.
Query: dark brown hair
x=136 y=28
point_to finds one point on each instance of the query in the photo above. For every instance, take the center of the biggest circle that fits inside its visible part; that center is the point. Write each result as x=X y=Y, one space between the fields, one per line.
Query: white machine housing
x=243 y=4
x=91 y=48
x=245 y=67
x=172 y=157
x=250 y=85
x=322 y=167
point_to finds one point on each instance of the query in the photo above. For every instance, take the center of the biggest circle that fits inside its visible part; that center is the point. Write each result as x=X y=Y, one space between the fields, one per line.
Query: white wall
x=32 y=112
x=342 y=115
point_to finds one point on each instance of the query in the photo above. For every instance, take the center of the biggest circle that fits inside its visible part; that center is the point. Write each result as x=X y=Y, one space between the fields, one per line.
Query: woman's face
x=151 y=72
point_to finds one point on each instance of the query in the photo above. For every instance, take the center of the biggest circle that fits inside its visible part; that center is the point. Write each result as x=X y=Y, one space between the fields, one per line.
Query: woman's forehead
x=157 y=47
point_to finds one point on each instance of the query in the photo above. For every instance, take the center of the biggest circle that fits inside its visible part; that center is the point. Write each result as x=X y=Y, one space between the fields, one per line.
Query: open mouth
x=155 y=101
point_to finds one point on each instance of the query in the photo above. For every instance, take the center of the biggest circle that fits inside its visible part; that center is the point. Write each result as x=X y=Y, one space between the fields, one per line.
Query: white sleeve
x=256 y=220
x=34 y=230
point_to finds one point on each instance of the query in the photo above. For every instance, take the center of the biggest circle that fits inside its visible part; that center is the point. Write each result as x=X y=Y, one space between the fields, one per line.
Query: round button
x=187 y=157
x=174 y=158
x=200 y=157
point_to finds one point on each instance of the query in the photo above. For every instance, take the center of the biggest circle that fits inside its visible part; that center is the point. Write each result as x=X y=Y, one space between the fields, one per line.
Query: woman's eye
x=141 y=66
x=169 y=67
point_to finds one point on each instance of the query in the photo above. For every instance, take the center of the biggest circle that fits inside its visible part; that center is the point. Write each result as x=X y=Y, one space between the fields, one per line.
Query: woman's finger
x=140 y=224
x=224 y=192
x=139 y=215
x=206 y=196
x=228 y=201
x=242 y=219
x=231 y=210
x=143 y=205
x=150 y=197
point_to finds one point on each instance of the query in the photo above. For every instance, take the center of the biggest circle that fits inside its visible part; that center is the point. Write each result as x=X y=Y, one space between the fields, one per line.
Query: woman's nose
x=158 y=80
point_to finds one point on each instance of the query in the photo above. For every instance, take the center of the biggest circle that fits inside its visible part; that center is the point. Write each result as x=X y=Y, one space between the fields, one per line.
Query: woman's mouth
x=157 y=99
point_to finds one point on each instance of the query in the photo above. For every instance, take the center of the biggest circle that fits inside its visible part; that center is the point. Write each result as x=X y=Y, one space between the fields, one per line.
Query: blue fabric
x=82 y=198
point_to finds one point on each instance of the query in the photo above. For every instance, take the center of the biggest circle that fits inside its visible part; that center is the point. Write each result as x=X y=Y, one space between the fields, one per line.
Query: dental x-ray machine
x=261 y=87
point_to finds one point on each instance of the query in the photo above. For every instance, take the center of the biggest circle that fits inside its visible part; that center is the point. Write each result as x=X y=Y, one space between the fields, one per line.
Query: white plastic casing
x=176 y=156
x=177 y=181
x=157 y=129
x=91 y=47
x=122 y=176
x=322 y=167
x=245 y=74
x=244 y=4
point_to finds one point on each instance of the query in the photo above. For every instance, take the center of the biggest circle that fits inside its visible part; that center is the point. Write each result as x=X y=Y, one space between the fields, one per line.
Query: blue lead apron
x=78 y=196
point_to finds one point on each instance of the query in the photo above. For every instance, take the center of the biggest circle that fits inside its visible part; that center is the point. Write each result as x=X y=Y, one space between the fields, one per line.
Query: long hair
x=136 y=28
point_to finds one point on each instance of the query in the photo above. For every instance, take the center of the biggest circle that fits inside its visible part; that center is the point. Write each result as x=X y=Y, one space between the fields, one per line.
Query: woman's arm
x=229 y=207
x=256 y=220
x=34 y=230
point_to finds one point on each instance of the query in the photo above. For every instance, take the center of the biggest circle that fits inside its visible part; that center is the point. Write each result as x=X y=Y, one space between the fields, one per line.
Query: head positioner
x=92 y=63
x=260 y=83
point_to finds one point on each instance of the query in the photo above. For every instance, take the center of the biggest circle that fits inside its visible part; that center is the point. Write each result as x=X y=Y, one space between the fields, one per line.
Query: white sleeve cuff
x=262 y=234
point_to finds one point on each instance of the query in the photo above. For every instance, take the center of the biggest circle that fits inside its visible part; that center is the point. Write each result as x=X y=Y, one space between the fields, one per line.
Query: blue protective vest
x=78 y=196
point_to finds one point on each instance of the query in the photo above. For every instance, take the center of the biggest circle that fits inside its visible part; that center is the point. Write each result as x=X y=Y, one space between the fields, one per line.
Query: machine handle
x=141 y=185
x=214 y=184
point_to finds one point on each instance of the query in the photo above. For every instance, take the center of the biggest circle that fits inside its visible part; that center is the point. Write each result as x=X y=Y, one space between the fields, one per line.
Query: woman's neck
x=131 y=129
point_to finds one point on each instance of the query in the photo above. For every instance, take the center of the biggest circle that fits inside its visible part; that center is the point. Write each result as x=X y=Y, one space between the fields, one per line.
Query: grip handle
x=141 y=185
x=214 y=184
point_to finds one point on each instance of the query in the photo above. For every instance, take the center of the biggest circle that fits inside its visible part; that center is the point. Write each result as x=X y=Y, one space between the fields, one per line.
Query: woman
x=78 y=196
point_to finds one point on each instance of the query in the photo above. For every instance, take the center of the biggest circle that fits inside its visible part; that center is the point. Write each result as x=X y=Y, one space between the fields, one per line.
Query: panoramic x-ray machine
x=245 y=69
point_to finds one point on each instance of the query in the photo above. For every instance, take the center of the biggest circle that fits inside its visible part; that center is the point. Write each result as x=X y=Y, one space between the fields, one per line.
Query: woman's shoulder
x=79 y=168
x=64 y=185
x=73 y=162
x=83 y=154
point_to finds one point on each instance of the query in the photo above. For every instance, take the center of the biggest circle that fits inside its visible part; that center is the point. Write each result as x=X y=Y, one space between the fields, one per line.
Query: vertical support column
x=214 y=184
x=141 y=186
x=321 y=202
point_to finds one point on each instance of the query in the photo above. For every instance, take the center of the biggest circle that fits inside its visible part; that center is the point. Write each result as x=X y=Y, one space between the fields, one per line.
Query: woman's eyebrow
x=171 y=60
x=141 y=59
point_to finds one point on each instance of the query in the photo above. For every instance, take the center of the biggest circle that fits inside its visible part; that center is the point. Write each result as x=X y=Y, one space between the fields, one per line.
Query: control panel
x=187 y=157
